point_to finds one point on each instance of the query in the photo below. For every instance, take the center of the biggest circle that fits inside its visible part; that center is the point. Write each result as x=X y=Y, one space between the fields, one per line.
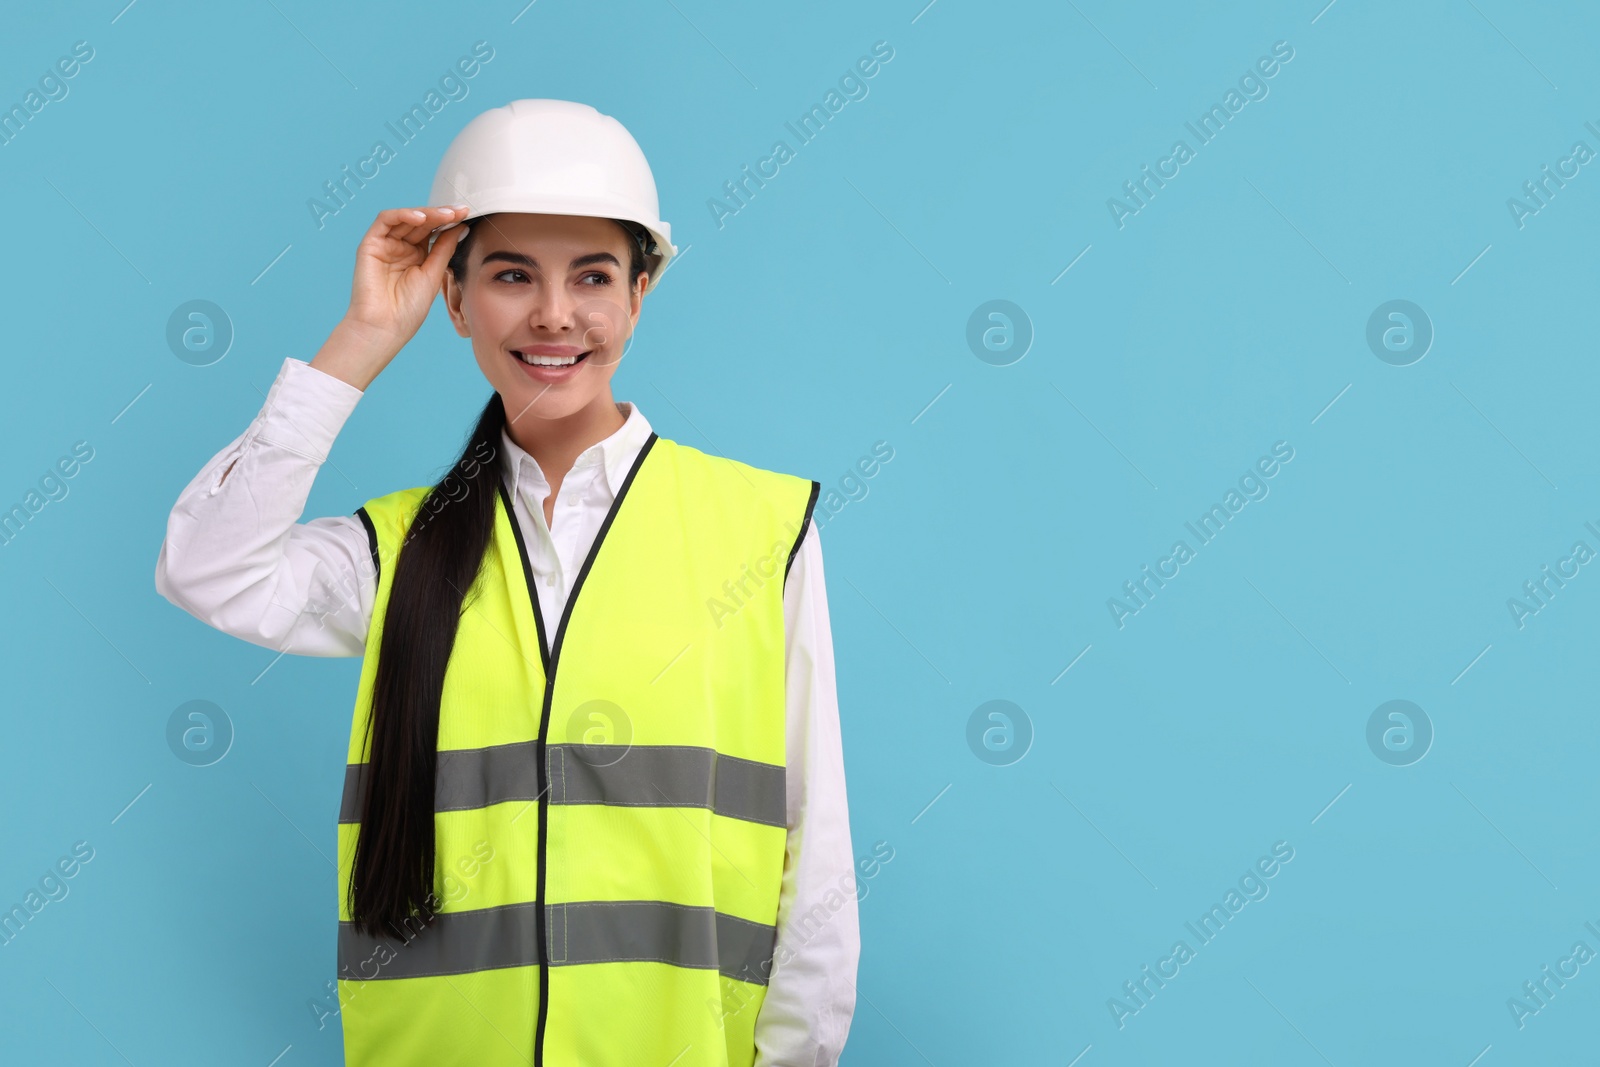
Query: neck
x=555 y=444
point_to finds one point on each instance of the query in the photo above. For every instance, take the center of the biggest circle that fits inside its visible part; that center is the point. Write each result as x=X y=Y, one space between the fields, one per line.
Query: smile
x=549 y=361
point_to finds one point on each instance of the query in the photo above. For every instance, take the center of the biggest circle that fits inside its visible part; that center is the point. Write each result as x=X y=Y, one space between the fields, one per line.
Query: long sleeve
x=236 y=558
x=810 y=999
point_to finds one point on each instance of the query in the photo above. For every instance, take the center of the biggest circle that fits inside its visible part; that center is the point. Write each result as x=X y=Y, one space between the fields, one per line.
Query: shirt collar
x=616 y=452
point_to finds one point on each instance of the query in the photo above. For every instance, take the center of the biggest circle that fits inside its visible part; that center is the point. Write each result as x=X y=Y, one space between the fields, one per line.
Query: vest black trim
x=372 y=542
x=551 y=658
x=805 y=523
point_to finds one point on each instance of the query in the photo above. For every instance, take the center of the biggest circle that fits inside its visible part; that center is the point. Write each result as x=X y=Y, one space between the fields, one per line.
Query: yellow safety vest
x=610 y=807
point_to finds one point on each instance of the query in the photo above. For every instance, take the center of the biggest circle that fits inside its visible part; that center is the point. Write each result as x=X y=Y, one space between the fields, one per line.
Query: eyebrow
x=528 y=261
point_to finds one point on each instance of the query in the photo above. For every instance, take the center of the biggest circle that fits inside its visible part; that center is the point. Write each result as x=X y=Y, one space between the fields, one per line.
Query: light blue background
x=828 y=314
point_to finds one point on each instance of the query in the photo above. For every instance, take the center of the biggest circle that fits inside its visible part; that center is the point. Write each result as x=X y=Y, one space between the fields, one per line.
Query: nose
x=553 y=309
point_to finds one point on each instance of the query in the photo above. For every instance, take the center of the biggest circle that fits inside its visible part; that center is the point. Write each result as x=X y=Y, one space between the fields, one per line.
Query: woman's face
x=546 y=288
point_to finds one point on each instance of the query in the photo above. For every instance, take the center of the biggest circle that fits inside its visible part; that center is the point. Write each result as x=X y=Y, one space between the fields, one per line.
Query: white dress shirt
x=237 y=558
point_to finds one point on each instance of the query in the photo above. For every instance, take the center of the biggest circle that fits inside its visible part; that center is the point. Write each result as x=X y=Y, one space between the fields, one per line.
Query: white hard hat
x=554 y=157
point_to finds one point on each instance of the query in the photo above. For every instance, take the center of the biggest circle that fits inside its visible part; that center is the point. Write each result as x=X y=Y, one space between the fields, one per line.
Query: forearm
x=353 y=354
x=235 y=556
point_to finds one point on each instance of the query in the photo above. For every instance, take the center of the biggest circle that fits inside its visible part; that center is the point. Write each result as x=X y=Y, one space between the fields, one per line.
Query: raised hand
x=396 y=279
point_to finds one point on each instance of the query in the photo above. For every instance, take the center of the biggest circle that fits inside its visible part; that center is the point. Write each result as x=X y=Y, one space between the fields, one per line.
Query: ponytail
x=392 y=880
x=443 y=549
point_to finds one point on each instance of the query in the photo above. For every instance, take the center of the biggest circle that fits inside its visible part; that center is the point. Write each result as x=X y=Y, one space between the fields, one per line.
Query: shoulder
x=387 y=517
x=751 y=505
x=736 y=480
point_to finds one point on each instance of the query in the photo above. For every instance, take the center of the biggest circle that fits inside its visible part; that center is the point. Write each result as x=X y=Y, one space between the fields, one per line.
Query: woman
x=594 y=809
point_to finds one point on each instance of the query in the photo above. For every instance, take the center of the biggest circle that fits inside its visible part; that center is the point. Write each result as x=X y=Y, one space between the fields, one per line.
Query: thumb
x=444 y=246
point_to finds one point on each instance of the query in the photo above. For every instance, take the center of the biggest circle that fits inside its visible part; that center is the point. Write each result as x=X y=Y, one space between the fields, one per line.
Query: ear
x=452 y=303
x=636 y=297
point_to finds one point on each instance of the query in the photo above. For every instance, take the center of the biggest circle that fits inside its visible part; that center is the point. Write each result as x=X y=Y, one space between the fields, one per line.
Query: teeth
x=547 y=361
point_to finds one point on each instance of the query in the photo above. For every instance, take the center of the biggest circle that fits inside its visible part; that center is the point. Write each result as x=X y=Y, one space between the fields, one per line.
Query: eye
x=514 y=270
x=605 y=279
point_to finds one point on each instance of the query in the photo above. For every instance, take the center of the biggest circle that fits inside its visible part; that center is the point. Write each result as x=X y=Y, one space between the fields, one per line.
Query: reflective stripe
x=455 y=943
x=616 y=931
x=600 y=931
x=478 y=777
x=678 y=776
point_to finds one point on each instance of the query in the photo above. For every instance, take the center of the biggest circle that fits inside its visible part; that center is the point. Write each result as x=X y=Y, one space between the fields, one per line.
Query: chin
x=540 y=402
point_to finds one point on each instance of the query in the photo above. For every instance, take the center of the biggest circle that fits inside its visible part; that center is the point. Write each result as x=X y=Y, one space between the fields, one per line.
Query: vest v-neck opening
x=550 y=658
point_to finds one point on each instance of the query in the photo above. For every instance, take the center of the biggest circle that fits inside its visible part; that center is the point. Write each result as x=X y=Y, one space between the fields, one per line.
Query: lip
x=548 y=375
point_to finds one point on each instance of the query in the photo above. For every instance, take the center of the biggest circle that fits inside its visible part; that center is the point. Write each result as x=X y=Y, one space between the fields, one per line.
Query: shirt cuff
x=305 y=409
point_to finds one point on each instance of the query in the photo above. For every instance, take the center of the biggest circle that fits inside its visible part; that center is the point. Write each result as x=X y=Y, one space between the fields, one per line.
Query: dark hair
x=393 y=868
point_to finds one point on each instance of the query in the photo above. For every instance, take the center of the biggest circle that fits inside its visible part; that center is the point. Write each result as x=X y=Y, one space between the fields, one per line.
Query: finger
x=431 y=219
x=392 y=222
x=405 y=224
x=459 y=229
x=458 y=217
x=393 y=225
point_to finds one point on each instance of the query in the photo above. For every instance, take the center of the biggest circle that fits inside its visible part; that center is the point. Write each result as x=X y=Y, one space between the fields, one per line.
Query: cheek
x=488 y=310
x=494 y=321
x=606 y=321
x=491 y=325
